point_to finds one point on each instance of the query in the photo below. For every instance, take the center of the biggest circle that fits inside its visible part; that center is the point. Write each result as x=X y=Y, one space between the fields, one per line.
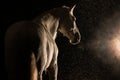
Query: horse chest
x=51 y=47
x=50 y=51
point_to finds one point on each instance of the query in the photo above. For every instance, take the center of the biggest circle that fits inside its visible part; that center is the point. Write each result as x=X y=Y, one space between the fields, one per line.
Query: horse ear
x=72 y=9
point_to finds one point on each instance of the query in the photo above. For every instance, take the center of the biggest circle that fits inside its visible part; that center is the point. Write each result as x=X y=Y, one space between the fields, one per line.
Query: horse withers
x=30 y=47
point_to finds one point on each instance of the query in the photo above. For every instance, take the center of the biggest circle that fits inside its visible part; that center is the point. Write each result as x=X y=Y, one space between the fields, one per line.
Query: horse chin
x=75 y=43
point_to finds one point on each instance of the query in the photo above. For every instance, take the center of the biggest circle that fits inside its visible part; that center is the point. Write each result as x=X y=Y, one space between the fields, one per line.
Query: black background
x=78 y=62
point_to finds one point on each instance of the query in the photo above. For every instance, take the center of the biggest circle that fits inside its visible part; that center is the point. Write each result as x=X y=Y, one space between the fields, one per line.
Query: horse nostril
x=77 y=35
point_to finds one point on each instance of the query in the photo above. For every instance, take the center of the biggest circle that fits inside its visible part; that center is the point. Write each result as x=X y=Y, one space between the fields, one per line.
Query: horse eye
x=71 y=29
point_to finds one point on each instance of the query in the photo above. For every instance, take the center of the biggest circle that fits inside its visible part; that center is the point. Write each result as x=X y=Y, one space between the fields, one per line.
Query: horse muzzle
x=76 y=39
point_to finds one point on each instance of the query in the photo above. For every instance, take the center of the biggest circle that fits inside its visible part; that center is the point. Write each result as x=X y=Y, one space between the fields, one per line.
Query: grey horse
x=30 y=47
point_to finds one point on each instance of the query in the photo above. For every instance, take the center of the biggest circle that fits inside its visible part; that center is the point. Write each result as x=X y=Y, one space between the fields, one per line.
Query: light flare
x=114 y=45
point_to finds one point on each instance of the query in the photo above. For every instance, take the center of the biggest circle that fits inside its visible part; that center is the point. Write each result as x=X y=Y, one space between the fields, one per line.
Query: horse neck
x=50 y=23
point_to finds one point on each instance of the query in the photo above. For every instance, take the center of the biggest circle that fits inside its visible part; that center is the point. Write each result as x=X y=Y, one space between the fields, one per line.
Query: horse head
x=68 y=26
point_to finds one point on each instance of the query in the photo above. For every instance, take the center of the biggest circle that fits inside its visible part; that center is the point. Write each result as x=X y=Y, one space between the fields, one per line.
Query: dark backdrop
x=92 y=59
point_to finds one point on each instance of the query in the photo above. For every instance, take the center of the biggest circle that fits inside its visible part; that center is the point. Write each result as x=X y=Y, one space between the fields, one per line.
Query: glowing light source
x=114 y=45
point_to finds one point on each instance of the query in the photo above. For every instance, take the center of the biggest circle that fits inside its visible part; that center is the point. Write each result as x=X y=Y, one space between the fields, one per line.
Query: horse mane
x=59 y=12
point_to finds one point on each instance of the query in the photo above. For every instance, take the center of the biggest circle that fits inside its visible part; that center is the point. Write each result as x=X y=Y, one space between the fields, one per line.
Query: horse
x=30 y=47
